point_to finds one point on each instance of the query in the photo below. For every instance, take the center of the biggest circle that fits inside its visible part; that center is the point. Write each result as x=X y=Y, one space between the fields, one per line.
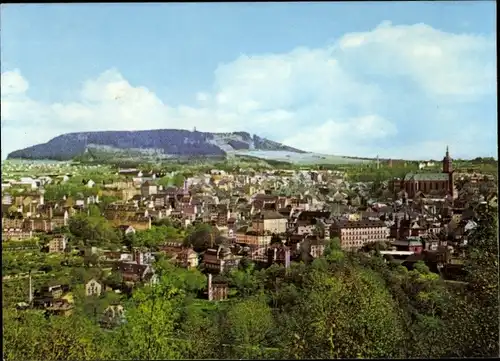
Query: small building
x=279 y=254
x=217 y=291
x=220 y=259
x=93 y=288
x=60 y=307
x=251 y=238
x=317 y=247
x=51 y=299
x=58 y=244
x=187 y=258
x=142 y=258
x=112 y=316
x=148 y=189
x=47 y=294
x=16 y=234
x=134 y=273
x=413 y=244
x=269 y=222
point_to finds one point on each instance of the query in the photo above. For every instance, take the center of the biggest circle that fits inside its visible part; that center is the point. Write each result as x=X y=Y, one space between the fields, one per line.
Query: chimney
x=210 y=293
x=30 y=289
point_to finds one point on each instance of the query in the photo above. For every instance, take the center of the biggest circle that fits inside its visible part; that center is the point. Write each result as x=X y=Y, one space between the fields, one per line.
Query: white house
x=93 y=288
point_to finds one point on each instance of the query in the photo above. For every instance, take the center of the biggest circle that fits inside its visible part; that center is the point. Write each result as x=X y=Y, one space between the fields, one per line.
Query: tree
x=476 y=324
x=202 y=237
x=177 y=180
x=190 y=281
x=333 y=250
x=198 y=332
x=345 y=314
x=114 y=280
x=92 y=230
x=149 y=331
x=28 y=335
x=244 y=280
x=246 y=327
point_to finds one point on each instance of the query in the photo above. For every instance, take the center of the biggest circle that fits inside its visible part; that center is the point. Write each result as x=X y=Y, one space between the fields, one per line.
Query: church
x=439 y=184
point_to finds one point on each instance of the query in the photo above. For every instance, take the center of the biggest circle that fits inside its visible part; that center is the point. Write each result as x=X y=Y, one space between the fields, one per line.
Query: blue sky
x=390 y=78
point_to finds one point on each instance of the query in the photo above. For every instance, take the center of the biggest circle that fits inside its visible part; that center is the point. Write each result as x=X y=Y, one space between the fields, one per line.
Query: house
x=113 y=315
x=413 y=244
x=93 y=288
x=52 y=300
x=220 y=259
x=314 y=246
x=42 y=224
x=431 y=242
x=354 y=235
x=141 y=257
x=269 y=222
x=118 y=256
x=148 y=189
x=188 y=258
x=16 y=234
x=61 y=307
x=47 y=293
x=15 y=220
x=58 y=244
x=279 y=254
x=158 y=214
x=252 y=238
x=260 y=200
x=90 y=183
x=134 y=272
x=217 y=291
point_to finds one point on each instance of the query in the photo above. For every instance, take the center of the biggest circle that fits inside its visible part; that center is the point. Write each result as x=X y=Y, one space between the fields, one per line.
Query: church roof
x=426 y=177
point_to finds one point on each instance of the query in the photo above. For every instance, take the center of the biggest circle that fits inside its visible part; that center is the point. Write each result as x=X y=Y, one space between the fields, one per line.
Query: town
x=94 y=239
x=285 y=181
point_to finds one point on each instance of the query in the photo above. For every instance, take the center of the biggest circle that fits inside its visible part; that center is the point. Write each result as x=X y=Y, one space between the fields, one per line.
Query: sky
x=394 y=79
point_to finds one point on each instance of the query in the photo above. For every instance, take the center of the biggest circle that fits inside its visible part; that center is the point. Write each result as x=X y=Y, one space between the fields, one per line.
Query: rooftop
x=426 y=177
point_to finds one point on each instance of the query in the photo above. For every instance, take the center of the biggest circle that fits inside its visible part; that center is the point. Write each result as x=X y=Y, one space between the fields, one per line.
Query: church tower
x=448 y=168
x=447 y=165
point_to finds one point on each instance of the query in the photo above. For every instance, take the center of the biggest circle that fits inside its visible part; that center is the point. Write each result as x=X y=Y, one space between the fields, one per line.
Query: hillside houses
x=269 y=216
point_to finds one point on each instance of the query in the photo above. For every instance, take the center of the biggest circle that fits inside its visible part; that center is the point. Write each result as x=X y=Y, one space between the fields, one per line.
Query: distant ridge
x=160 y=143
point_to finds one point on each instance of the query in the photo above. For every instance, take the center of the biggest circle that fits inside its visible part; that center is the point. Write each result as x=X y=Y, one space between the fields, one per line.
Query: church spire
x=447 y=167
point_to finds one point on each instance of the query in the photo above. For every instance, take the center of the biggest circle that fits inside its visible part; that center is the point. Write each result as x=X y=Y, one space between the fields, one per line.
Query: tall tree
x=477 y=310
x=148 y=333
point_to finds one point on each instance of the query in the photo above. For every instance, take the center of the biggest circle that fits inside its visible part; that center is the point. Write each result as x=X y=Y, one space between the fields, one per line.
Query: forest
x=342 y=305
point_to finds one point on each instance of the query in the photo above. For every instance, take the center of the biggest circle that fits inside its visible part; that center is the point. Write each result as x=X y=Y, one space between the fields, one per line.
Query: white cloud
x=370 y=93
x=335 y=134
x=443 y=64
x=202 y=97
x=13 y=83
